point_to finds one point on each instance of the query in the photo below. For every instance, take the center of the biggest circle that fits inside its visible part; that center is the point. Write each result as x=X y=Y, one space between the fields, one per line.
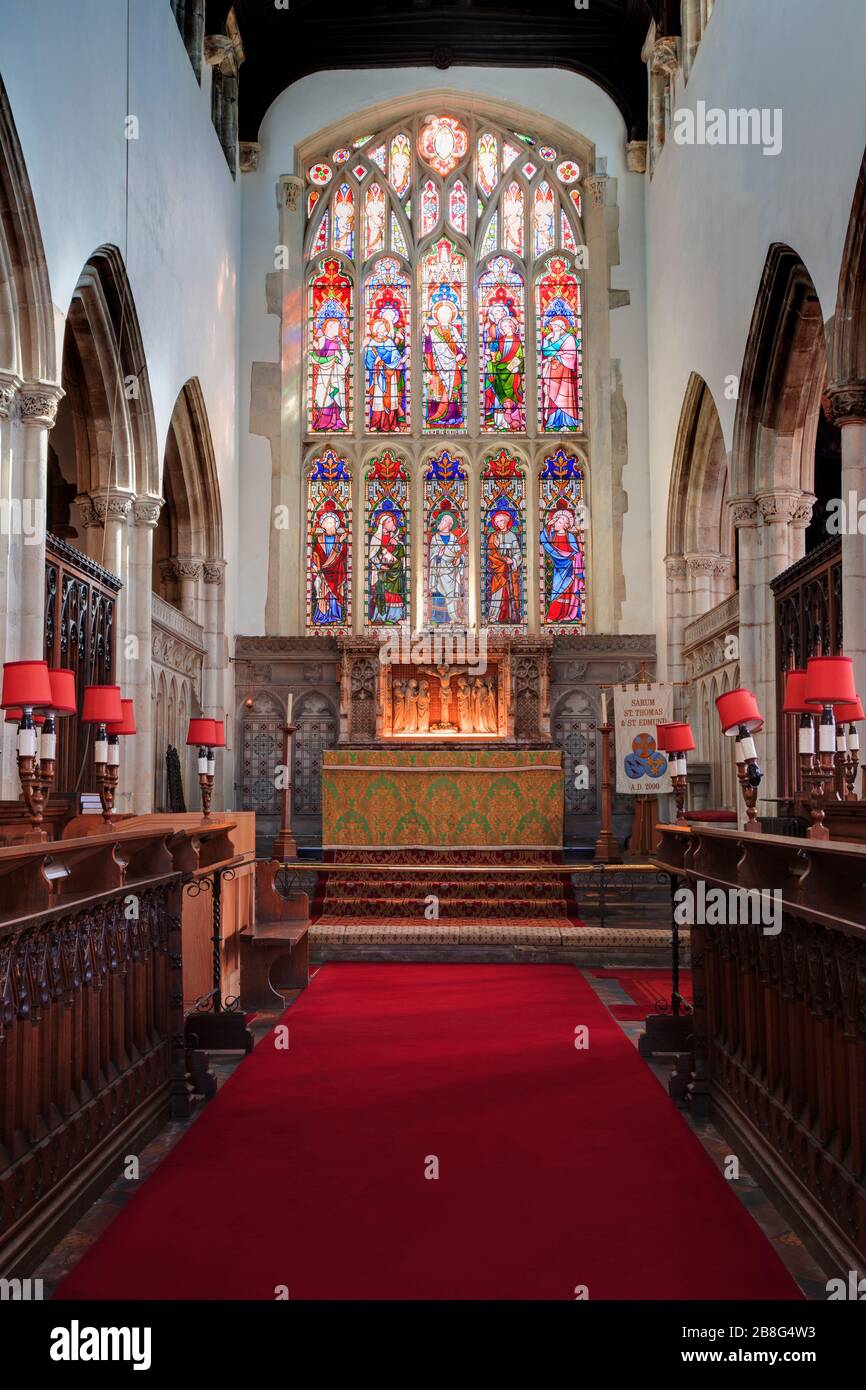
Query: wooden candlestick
x=750 y=797
x=285 y=846
x=607 y=848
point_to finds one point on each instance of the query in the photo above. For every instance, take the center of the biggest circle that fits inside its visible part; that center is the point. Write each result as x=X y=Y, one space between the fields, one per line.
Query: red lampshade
x=220 y=733
x=101 y=705
x=795 y=695
x=830 y=680
x=678 y=738
x=849 y=714
x=661 y=735
x=14 y=716
x=25 y=683
x=63 y=699
x=201 y=732
x=738 y=708
x=127 y=723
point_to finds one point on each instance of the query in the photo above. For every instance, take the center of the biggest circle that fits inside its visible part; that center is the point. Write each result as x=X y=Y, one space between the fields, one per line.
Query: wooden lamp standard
x=102 y=707
x=26 y=688
x=676 y=740
x=203 y=733
x=829 y=683
x=851 y=715
x=741 y=718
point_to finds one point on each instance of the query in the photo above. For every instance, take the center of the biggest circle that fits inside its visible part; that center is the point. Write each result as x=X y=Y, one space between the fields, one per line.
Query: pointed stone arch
x=26 y=313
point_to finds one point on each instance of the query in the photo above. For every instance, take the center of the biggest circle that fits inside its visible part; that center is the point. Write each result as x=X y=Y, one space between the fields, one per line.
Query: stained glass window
x=343 y=233
x=374 y=220
x=503 y=542
x=329 y=349
x=562 y=533
x=512 y=219
x=386 y=520
x=559 y=348
x=387 y=347
x=443 y=279
x=502 y=346
x=446 y=542
x=329 y=543
x=445 y=257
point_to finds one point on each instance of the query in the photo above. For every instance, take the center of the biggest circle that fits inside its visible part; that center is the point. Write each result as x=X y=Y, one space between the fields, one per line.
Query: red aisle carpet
x=557 y=1167
x=650 y=990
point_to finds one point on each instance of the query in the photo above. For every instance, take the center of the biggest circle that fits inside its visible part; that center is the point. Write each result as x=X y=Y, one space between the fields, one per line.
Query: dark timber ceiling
x=603 y=42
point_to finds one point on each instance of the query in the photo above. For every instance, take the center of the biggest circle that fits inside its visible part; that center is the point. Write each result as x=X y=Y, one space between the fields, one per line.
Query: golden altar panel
x=473 y=798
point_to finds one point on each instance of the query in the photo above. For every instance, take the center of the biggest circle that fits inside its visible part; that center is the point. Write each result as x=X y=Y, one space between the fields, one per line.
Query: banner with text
x=641 y=767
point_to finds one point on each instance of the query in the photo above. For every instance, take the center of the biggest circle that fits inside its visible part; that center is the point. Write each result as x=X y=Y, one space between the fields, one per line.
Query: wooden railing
x=779 y=1046
x=92 y=1049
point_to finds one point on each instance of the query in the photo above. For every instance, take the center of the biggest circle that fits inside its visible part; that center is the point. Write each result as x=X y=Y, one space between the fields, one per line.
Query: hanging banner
x=641 y=768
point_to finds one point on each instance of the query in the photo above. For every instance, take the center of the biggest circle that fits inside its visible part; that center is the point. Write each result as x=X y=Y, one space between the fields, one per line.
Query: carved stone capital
x=224 y=51
x=675 y=566
x=635 y=156
x=846 y=403
x=87 y=510
x=146 y=510
x=702 y=564
x=666 y=55
x=744 y=511
x=111 y=506
x=289 y=190
x=38 y=402
x=784 y=506
x=185 y=567
x=213 y=571
x=9 y=386
x=723 y=566
x=249 y=151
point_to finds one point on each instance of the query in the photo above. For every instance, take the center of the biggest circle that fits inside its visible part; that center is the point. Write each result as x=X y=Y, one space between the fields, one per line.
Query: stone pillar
x=847 y=409
x=37 y=411
x=186 y=569
x=701 y=570
x=677 y=614
x=136 y=773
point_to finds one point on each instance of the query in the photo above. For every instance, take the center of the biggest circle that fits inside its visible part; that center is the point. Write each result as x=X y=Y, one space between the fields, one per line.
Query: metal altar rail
x=600 y=880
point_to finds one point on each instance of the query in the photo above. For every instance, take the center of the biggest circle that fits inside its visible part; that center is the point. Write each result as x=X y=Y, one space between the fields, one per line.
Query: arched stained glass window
x=562 y=533
x=329 y=349
x=502 y=346
x=386 y=518
x=387 y=347
x=329 y=543
x=445 y=260
x=503 y=542
x=443 y=281
x=446 y=541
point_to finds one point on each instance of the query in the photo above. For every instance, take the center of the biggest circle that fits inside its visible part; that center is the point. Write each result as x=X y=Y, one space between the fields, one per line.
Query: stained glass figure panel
x=343 y=227
x=375 y=209
x=444 y=291
x=400 y=164
x=488 y=163
x=386 y=522
x=329 y=543
x=562 y=532
x=543 y=219
x=501 y=319
x=446 y=542
x=387 y=347
x=329 y=349
x=559 y=348
x=512 y=218
x=429 y=211
x=503 y=542
x=458 y=207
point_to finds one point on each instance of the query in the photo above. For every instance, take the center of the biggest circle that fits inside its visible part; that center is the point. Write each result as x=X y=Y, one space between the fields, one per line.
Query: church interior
x=433 y=627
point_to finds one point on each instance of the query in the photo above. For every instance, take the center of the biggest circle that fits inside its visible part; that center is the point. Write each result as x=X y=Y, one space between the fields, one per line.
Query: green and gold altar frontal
x=473 y=798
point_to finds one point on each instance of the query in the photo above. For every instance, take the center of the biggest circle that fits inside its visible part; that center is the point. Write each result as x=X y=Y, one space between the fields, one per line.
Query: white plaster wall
x=714 y=211
x=318 y=101
x=64 y=67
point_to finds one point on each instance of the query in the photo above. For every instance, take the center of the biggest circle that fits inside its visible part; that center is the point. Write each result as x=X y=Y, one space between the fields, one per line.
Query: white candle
x=826 y=738
x=853 y=740
x=100 y=750
x=113 y=759
x=48 y=746
x=290 y=700
x=211 y=762
x=841 y=745
x=748 y=748
x=807 y=738
x=27 y=743
x=202 y=760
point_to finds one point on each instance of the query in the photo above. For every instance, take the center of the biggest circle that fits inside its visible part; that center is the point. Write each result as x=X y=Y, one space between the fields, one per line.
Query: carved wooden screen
x=80 y=606
x=808 y=602
x=315 y=730
x=574 y=731
x=262 y=745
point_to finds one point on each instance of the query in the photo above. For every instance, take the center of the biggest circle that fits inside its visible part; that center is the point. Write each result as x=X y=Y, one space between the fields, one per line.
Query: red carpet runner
x=557 y=1167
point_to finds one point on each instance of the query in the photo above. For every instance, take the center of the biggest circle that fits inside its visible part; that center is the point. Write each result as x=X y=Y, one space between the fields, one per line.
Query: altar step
x=493 y=941
x=471 y=896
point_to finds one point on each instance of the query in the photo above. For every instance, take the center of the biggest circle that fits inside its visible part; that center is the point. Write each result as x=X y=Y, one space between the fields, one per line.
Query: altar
x=444 y=744
x=442 y=798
